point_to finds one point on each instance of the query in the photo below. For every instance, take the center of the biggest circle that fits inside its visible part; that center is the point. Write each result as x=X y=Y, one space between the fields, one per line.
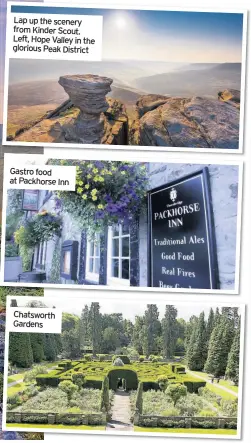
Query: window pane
x=125 y=229
x=115 y=230
x=115 y=247
x=125 y=246
x=92 y=248
x=97 y=245
x=96 y=266
x=125 y=269
x=91 y=265
x=115 y=268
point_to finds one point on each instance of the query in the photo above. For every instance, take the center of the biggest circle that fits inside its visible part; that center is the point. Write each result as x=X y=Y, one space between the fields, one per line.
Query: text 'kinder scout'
x=45 y=41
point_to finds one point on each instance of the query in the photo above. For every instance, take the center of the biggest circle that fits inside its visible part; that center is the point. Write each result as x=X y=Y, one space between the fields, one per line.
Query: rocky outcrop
x=88 y=93
x=231 y=96
x=90 y=117
x=197 y=122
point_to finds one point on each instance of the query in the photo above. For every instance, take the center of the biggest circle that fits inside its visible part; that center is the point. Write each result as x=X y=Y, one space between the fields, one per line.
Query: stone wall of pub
x=224 y=189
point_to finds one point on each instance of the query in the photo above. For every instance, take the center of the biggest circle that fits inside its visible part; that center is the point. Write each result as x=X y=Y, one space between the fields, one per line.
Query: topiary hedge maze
x=93 y=374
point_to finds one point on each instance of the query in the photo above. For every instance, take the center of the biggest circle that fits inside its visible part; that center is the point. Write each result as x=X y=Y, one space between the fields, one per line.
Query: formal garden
x=78 y=381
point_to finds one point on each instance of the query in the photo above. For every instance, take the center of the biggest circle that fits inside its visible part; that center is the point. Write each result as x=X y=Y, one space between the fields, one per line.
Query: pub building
x=185 y=239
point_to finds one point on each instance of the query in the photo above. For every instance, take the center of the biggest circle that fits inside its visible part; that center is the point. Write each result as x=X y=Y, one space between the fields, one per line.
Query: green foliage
x=11 y=250
x=39 y=228
x=151 y=329
x=98 y=200
x=49 y=347
x=128 y=374
x=176 y=391
x=78 y=379
x=139 y=399
x=232 y=369
x=30 y=376
x=105 y=400
x=37 y=346
x=169 y=331
x=20 y=350
x=219 y=346
x=68 y=387
x=110 y=340
x=208 y=413
x=55 y=265
x=197 y=350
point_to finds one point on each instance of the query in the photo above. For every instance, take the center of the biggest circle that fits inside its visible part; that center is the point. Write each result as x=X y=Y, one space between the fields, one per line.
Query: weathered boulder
x=88 y=93
x=149 y=102
x=196 y=122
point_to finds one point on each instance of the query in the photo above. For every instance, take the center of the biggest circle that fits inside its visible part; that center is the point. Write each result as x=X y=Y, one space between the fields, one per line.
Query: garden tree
x=219 y=346
x=20 y=350
x=232 y=369
x=169 y=331
x=110 y=340
x=197 y=350
x=176 y=392
x=210 y=326
x=84 y=328
x=58 y=343
x=128 y=331
x=95 y=327
x=69 y=321
x=180 y=347
x=151 y=329
x=189 y=329
x=68 y=387
x=70 y=343
x=50 y=353
x=231 y=313
x=138 y=334
x=37 y=346
x=217 y=316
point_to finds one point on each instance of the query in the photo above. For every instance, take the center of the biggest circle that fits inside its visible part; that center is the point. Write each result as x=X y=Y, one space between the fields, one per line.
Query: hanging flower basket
x=106 y=192
x=41 y=227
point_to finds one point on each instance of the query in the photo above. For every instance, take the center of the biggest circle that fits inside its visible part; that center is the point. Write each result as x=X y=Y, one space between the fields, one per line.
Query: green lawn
x=16 y=377
x=39 y=426
x=225 y=383
x=226 y=395
x=229 y=386
x=16 y=388
x=187 y=431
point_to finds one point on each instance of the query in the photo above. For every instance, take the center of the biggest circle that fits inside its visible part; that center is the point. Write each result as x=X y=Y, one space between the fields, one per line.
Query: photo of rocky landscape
x=181 y=87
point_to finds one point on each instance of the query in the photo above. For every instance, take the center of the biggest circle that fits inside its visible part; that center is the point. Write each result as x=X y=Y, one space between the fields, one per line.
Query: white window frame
x=116 y=281
x=93 y=276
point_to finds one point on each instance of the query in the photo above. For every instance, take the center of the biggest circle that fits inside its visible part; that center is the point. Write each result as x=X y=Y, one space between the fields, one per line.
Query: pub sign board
x=181 y=238
x=30 y=200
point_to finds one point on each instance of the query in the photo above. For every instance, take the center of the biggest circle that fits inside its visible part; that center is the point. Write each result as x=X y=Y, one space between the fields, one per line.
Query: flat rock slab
x=197 y=122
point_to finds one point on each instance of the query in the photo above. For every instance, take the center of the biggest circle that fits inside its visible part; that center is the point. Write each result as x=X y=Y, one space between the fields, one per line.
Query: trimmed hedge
x=95 y=372
x=125 y=359
x=105 y=400
x=128 y=374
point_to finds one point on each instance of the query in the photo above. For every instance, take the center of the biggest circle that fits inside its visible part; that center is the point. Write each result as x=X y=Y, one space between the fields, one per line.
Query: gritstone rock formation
x=88 y=93
x=187 y=122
